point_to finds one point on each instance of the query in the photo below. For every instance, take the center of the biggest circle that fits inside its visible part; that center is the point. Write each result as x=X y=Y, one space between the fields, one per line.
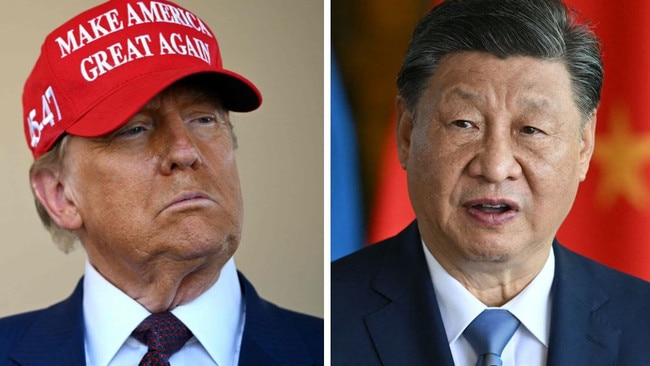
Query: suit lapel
x=579 y=335
x=408 y=330
x=268 y=339
x=57 y=334
x=251 y=354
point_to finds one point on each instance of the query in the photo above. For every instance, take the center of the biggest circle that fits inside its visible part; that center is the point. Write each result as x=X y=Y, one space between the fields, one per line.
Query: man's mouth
x=190 y=199
x=492 y=208
x=492 y=212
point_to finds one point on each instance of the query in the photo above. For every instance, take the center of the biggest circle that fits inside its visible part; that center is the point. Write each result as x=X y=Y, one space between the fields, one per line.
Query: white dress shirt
x=216 y=318
x=532 y=306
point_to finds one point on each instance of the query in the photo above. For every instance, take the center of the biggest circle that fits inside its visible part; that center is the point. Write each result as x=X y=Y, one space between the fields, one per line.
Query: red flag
x=392 y=209
x=610 y=220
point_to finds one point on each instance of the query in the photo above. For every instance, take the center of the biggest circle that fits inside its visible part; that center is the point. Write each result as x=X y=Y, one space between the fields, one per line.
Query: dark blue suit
x=385 y=312
x=55 y=336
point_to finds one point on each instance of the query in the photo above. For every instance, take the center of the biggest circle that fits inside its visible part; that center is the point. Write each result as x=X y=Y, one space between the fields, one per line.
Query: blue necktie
x=489 y=333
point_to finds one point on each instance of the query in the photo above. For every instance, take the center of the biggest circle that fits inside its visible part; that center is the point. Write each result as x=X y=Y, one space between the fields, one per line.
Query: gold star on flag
x=622 y=156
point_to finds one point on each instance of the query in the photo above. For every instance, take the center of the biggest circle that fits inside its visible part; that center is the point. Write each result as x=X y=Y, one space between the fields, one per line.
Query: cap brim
x=237 y=94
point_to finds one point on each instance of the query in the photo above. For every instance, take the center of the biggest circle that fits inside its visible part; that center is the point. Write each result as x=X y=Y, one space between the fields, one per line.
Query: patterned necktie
x=164 y=334
x=489 y=333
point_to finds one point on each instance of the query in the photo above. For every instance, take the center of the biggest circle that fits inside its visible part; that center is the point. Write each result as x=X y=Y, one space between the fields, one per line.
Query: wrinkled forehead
x=482 y=78
x=189 y=90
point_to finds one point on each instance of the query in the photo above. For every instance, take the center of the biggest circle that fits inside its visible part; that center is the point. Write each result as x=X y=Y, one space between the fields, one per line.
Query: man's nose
x=496 y=159
x=180 y=149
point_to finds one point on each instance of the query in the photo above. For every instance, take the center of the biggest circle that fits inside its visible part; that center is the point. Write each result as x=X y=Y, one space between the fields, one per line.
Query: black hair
x=544 y=29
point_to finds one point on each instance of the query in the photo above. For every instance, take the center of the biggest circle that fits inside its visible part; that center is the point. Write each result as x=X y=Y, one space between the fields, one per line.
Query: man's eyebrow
x=462 y=93
x=531 y=102
x=539 y=103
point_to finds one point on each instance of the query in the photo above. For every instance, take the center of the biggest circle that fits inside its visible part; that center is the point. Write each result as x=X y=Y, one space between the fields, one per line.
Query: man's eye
x=131 y=131
x=134 y=130
x=528 y=130
x=463 y=124
x=205 y=119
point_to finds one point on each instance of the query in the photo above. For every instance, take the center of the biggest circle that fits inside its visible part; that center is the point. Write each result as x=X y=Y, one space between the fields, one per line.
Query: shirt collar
x=216 y=317
x=458 y=307
x=532 y=306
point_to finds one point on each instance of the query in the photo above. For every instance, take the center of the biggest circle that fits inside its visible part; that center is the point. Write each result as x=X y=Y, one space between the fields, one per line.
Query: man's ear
x=587 y=144
x=52 y=192
x=403 y=131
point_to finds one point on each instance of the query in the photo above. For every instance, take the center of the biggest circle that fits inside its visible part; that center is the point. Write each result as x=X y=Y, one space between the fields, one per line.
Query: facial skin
x=157 y=204
x=494 y=155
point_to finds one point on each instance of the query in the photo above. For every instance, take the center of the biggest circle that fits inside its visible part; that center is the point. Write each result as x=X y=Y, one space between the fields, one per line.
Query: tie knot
x=489 y=332
x=163 y=333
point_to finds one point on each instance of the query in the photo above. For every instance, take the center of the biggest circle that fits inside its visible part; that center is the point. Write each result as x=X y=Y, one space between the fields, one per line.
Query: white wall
x=276 y=44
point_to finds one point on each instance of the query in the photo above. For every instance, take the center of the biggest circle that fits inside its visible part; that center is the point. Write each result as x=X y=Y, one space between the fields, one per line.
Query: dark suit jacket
x=55 y=336
x=385 y=312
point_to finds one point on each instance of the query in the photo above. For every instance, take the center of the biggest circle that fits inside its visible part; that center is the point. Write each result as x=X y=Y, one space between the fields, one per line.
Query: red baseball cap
x=100 y=68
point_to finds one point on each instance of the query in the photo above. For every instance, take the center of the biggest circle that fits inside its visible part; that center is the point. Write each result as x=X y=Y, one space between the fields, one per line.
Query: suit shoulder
x=300 y=333
x=366 y=257
x=361 y=266
x=13 y=327
x=620 y=298
x=309 y=327
x=609 y=279
x=285 y=334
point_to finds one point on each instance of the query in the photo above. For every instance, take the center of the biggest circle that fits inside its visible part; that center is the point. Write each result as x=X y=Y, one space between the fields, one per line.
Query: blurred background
x=279 y=46
x=609 y=220
x=369 y=40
